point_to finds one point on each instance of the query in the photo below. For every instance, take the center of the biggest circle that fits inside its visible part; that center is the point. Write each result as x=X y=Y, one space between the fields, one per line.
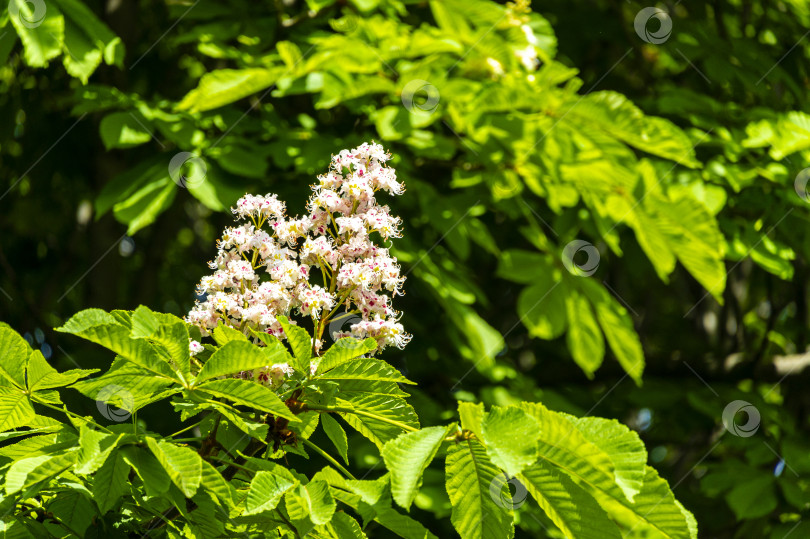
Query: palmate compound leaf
x=182 y=464
x=407 y=457
x=103 y=328
x=344 y=350
x=477 y=514
x=248 y=393
x=237 y=356
x=564 y=446
x=575 y=512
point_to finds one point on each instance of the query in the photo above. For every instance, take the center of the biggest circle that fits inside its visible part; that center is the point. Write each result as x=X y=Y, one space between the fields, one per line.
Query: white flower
x=194 y=348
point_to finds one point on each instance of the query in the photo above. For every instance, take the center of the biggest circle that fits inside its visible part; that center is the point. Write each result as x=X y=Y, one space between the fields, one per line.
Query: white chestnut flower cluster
x=320 y=266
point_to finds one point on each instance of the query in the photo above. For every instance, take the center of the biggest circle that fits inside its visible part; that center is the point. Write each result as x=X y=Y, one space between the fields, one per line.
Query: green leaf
x=391 y=408
x=617 y=116
x=312 y=500
x=17 y=474
x=681 y=226
x=134 y=386
x=522 y=266
x=15 y=411
x=337 y=435
x=94 y=449
x=40 y=375
x=249 y=393
x=510 y=435
x=266 y=491
x=30 y=479
x=146 y=204
x=224 y=334
x=541 y=306
x=342 y=526
x=344 y=350
x=753 y=498
x=569 y=507
x=223 y=86
x=249 y=426
x=300 y=342
x=618 y=328
x=15 y=356
x=563 y=445
x=183 y=464
x=471 y=416
x=237 y=356
x=74 y=509
x=41 y=30
x=366 y=369
x=111 y=482
x=407 y=457
x=123 y=129
x=102 y=328
x=151 y=472
x=584 y=338
x=213 y=482
x=655 y=511
x=166 y=330
x=623 y=446
x=469 y=476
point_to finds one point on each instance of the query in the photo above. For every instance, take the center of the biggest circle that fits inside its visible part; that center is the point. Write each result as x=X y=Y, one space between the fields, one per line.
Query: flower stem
x=69 y=413
x=328 y=457
x=361 y=413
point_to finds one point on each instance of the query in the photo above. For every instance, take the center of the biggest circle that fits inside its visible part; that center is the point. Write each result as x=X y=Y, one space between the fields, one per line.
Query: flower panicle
x=273 y=265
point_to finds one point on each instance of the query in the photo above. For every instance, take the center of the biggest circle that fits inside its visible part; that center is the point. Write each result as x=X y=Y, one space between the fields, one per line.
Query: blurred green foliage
x=679 y=162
